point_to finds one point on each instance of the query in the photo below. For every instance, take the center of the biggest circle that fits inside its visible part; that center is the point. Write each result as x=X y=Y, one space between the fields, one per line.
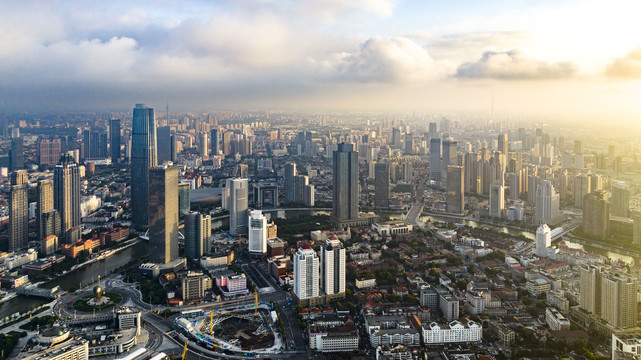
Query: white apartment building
x=306 y=273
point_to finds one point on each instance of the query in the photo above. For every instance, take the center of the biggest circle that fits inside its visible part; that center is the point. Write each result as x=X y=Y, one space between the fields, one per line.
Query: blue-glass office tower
x=345 y=204
x=143 y=157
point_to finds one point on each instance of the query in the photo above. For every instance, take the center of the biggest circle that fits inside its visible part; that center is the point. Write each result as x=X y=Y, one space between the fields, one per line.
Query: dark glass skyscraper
x=114 y=128
x=66 y=192
x=435 y=158
x=143 y=157
x=381 y=185
x=16 y=154
x=215 y=141
x=345 y=204
x=164 y=144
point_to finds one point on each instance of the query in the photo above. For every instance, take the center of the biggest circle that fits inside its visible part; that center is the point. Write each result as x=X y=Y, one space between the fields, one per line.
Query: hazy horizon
x=568 y=60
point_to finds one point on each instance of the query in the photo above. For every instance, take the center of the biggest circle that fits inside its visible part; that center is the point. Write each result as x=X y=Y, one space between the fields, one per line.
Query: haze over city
x=564 y=59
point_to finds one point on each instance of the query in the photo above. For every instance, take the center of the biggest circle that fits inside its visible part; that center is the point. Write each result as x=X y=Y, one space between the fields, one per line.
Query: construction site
x=243 y=329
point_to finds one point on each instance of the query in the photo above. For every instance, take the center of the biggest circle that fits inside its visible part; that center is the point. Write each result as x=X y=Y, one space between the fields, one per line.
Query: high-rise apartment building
x=49 y=151
x=435 y=159
x=620 y=199
x=66 y=192
x=590 y=289
x=114 y=134
x=238 y=193
x=332 y=267
x=306 y=276
x=163 y=214
x=619 y=300
x=289 y=178
x=497 y=199
x=197 y=234
x=455 y=195
x=44 y=205
x=345 y=186
x=596 y=214
x=19 y=211
x=582 y=187
x=381 y=185
x=546 y=204
x=143 y=158
x=257 y=233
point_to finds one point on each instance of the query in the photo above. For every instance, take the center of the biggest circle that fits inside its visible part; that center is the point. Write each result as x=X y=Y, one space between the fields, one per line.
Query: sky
x=569 y=59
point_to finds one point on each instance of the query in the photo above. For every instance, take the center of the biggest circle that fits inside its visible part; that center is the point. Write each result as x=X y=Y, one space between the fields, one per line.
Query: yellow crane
x=256 y=304
x=185 y=352
x=211 y=322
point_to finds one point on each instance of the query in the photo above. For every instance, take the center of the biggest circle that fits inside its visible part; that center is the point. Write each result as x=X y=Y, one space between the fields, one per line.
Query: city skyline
x=381 y=55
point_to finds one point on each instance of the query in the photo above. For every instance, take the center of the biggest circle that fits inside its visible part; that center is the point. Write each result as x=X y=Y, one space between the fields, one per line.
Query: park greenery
x=8 y=342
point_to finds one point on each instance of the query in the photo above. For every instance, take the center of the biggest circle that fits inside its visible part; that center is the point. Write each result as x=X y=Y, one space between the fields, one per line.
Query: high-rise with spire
x=143 y=157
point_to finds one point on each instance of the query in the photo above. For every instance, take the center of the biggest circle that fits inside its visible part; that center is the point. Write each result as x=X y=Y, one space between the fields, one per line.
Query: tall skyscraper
x=381 y=185
x=433 y=132
x=238 y=193
x=44 y=205
x=346 y=194
x=257 y=233
x=19 y=211
x=16 y=154
x=203 y=144
x=289 y=179
x=620 y=199
x=435 y=159
x=449 y=155
x=114 y=133
x=197 y=234
x=163 y=214
x=497 y=199
x=619 y=300
x=455 y=198
x=543 y=240
x=596 y=214
x=163 y=134
x=143 y=157
x=396 y=137
x=184 y=199
x=66 y=192
x=581 y=188
x=306 y=277
x=215 y=141
x=503 y=144
x=547 y=204
x=332 y=267
x=590 y=289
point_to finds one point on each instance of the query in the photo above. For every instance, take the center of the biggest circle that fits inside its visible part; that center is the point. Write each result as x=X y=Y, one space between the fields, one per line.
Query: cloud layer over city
x=271 y=53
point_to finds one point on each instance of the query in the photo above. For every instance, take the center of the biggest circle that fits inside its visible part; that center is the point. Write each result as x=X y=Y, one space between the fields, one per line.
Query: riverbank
x=101 y=257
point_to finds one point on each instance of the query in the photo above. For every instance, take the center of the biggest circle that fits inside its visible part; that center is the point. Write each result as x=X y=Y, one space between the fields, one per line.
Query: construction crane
x=211 y=322
x=256 y=305
x=185 y=352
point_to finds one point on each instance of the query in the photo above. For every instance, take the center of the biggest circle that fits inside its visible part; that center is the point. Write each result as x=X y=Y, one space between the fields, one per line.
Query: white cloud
x=396 y=60
x=514 y=65
x=628 y=66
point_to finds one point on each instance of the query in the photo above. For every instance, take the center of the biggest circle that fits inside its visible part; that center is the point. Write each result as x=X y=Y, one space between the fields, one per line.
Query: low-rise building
x=537 y=287
x=556 y=320
x=364 y=283
x=454 y=332
x=392 y=228
x=333 y=339
x=626 y=346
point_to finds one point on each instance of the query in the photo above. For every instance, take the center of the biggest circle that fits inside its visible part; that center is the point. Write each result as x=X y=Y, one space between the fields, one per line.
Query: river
x=85 y=274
